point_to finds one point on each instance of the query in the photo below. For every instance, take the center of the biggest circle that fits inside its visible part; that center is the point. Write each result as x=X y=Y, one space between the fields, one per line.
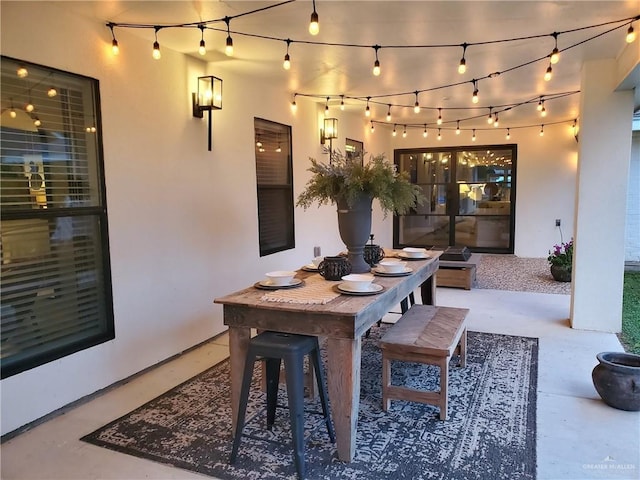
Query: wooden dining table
x=342 y=321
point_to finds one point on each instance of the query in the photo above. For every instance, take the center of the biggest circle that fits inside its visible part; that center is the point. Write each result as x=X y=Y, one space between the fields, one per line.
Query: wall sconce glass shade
x=207 y=98
x=330 y=130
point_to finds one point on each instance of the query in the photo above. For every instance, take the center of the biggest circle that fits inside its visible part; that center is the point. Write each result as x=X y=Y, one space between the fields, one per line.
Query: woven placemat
x=316 y=290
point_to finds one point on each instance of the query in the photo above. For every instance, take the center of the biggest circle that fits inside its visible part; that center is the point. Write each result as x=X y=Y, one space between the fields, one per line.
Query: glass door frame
x=452 y=194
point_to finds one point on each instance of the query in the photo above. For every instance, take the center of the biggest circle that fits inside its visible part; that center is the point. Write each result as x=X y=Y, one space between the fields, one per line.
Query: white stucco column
x=601 y=195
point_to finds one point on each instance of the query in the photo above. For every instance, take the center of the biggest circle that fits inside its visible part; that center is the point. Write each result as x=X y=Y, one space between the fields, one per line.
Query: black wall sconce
x=329 y=132
x=207 y=98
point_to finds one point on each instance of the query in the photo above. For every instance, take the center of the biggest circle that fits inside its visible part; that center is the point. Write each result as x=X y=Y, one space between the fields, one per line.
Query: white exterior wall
x=632 y=240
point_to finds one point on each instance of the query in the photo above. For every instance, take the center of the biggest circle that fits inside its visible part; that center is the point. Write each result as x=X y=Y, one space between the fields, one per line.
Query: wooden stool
x=276 y=347
x=429 y=335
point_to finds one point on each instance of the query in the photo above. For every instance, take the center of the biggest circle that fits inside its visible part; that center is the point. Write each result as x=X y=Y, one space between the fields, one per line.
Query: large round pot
x=617 y=379
x=561 y=273
x=354 y=225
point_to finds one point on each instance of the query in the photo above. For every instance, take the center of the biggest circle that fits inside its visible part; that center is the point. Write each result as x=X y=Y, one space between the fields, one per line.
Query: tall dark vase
x=354 y=225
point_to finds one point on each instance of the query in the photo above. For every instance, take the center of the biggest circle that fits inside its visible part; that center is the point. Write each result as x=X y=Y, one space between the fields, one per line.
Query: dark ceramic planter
x=617 y=379
x=560 y=273
x=354 y=224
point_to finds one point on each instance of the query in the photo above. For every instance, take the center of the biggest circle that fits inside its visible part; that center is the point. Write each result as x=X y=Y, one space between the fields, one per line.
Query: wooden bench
x=424 y=334
x=457 y=274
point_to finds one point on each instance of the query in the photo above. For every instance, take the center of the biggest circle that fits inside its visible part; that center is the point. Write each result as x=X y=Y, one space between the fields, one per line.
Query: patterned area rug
x=518 y=274
x=490 y=432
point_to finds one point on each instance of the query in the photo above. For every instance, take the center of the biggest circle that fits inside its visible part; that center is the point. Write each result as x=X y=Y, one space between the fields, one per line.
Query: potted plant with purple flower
x=561 y=260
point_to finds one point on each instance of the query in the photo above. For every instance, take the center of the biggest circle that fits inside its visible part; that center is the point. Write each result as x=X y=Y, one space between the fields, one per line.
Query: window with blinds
x=274 y=178
x=55 y=284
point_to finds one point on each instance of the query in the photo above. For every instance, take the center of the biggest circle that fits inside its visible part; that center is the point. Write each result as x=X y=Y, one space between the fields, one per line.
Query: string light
x=228 y=49
x=475 y=98
x=416 y=106
x=473 y=136
x=294 y=106
x=439 y=121
x=202 y=49
x=548 y=73
x=457 y=127
x=389 y=113
x=12 y=111
x=439 y=135
x=425 y=133
x=542 y=130
x=508 y=134
x=326 y=107
x=496 y=122
x=631 y=35
x=490 y=117
x=342 y=102
x=555 y=54
x=52 y=92
x=540 y=104
x=574 y=127
x=367 y=111
x=37 y=122
x=286 y=64
x=279 y=149
x=22 y=72
x=376 y=64
x=115 y=49
x=156 y=46
x=462 y=67
x=543 y=112
x=314 y=26
x=404 y=132
x=394 y=133
x=29 y=106
x=372 y=127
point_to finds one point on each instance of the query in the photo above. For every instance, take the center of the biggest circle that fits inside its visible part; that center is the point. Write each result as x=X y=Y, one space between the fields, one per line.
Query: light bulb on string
x=376 y=64
x=541 y=130
x=404 y=132
x=475 y=98
x=394 y=133
x=314 y=26
x=156 y=46
x=342 y=102
x=202 y=49
x=228 y=49
x=496 y=122
x=115 y=49
x=425 y=133
x=372 y=127
x=439 y=135
x=37 y=122
x=294 y=105
x=631 y=35
x=555 y=54
x=540 y=104
x=279 y=149
x=29 y=107
x=52 y=92
x=416 y=106
x=286 y=64
x=490 y=116
x=367 y=111
x=326 y=107
x=22 y=72
x=462 y=66
x=389 y=113
x=508 y=134
x=543 y=112
x=12 y=110
x=439 y=121
x=548 y=73
x=473 y=135
x=458 y=127
x=574 y=127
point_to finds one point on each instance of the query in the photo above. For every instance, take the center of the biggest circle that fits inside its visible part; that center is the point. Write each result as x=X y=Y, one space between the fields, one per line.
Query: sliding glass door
x=470 y=198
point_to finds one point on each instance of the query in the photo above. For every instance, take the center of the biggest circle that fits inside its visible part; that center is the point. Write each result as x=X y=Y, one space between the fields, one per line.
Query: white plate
x=272 y=286
x=384 y=273
x=373 y=288
x=404 y=256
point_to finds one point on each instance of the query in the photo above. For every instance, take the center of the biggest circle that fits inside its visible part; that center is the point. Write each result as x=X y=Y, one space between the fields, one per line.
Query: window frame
x=103 y=329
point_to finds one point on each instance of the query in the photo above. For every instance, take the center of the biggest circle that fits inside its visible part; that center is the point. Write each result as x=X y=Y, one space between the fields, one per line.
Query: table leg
x=238 y=344
x=428 y=291
x=344 y=391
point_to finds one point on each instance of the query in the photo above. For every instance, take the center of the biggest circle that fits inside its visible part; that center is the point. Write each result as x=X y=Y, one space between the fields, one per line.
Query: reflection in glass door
x=470 y=198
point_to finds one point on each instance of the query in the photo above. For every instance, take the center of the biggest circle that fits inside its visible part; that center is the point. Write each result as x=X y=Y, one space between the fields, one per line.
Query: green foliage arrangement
x=631 y=312
x=345 y=179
